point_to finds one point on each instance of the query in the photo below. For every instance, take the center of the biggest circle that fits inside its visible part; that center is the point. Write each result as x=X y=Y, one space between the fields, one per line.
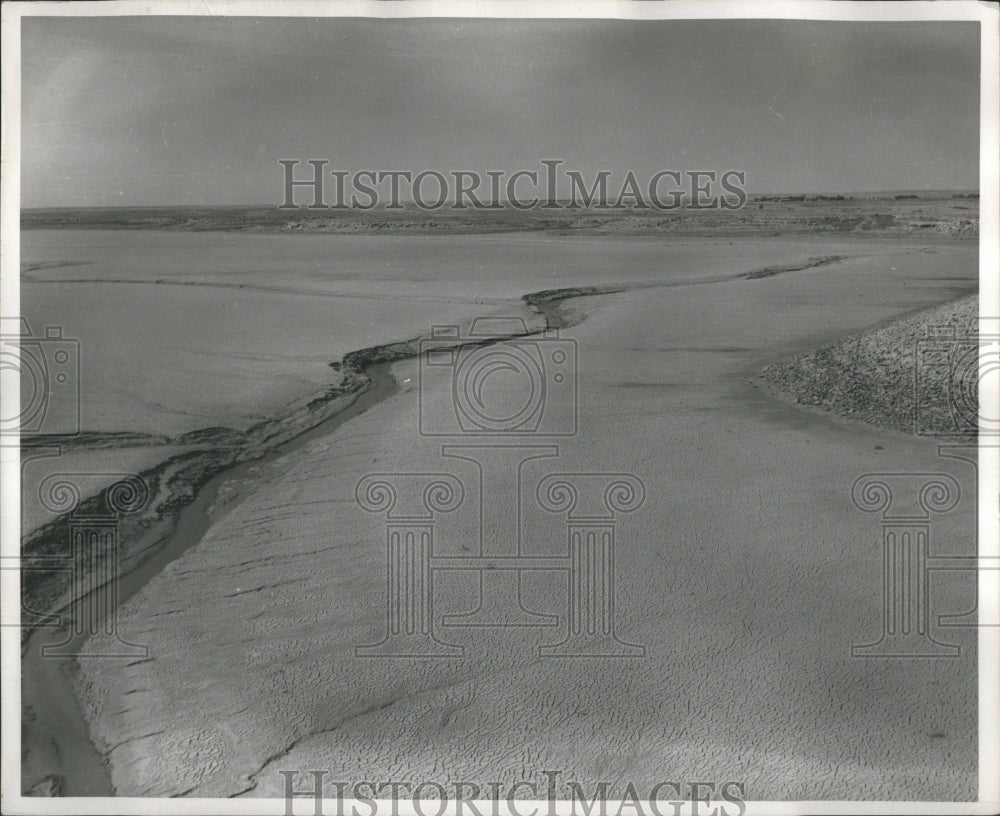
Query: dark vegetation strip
x=175 y=483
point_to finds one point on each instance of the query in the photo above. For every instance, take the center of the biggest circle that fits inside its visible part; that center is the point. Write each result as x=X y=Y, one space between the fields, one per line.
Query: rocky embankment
x=916 y=375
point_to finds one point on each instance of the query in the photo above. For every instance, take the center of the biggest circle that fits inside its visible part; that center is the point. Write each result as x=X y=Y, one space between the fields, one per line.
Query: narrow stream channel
x=55 y=735
x=56 y=742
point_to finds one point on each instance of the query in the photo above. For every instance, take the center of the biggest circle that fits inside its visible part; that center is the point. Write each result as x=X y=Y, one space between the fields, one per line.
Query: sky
x=140 y=111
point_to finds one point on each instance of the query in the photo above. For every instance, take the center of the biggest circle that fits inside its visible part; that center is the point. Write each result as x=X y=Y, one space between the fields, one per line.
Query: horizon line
x=498 y=206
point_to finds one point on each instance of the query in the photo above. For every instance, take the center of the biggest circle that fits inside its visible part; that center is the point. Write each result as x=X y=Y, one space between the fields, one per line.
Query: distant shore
x=930 y=214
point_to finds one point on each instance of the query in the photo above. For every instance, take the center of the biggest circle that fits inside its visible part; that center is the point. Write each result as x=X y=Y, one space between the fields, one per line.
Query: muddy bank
x=884 y=377
x=188 y=493
x=58 y=758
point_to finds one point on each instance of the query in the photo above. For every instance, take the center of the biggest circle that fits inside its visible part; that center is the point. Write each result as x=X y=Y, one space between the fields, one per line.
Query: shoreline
x=367 y=381
x=372 y=364
x=870 y=377
x=56 y=680
x=953 y=214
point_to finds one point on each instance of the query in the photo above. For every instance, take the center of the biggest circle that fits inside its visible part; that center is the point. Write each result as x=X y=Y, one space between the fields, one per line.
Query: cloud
x=175 y=110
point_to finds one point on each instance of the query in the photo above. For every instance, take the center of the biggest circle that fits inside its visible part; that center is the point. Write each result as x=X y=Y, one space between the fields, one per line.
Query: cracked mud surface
x=747 y=575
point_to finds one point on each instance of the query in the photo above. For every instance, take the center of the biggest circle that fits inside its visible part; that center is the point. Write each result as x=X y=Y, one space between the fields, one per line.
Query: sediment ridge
x=882 y=378
x=176 y=483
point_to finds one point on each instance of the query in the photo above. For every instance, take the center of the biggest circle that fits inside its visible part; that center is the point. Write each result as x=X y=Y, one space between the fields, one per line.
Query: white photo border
x=986 y=14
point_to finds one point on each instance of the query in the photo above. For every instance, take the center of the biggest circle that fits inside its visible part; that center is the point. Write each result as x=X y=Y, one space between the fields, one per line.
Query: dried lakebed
x=718 y=336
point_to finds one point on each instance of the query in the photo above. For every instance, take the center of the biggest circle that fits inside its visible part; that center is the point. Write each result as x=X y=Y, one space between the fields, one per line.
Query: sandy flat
x=746 y=576
x=185 y=331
